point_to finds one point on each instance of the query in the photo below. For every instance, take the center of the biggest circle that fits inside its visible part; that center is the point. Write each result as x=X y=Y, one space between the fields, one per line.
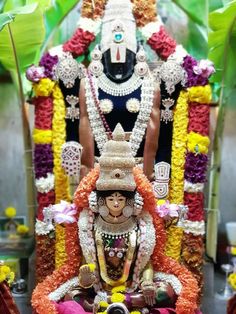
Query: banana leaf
x=222 y=44
x=22 y=34
x=197 y=10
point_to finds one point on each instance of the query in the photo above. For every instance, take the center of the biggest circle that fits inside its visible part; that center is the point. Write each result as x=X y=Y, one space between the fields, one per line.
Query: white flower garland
x=171 y=279
x=90 y=25
x=60 y=292
x=149 y=29
x=42 y=228
x=178 y=55
x=193 y=187
x=194 y=227
x=44 y=185
x=140 y=126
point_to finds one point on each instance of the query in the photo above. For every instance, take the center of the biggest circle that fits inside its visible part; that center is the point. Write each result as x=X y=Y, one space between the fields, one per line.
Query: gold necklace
x=128 y=260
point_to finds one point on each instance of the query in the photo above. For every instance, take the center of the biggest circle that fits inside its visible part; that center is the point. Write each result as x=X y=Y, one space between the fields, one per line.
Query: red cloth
x=7 y=304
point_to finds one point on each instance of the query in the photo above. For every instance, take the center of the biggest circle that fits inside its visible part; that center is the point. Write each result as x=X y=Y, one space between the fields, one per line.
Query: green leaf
x=6 y=18
x=44 y=4
x=12 y=4
x=56 y=13
x=2 y=3
x=28 y=34
x=197 y=10
x=222 y=43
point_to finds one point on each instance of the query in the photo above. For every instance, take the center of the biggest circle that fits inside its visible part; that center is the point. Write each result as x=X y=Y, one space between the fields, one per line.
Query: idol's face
x=115 y=203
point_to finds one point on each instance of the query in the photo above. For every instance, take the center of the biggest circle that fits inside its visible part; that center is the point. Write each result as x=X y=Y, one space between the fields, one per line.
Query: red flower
x=79 y=42
x=162 y=43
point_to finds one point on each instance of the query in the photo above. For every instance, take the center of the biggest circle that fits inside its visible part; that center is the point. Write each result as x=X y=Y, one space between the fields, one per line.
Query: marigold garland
x=174 y=242
x=200 y=94
x=45 y=257
x=44 y=87
x=179 y=149
x=144 y=12
x=93 y=9
x=40 y=300
x=60 y=252
x=61 y=180
x=58 y=139
x=186 y=303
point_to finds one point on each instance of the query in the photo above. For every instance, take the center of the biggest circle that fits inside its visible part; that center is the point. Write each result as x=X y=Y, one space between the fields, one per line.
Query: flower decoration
x=199 y=115
x=195 y=167
x=44 y=87
x=64 y=212
x=43 y=110
x=205 y=68
x=144 y=11
x=232 y=280
x=10 y=212
x=42 y=136
x=79 y=42
x=44 y=185
x=48 y=62
x=198 y=143
x=200 y=94
x=6 y=274
x=22 y=230
x=35 y=73
x=167 y=209
x=162 y=43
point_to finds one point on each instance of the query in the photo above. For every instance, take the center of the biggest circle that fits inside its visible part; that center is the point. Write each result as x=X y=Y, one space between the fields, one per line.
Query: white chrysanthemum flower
x=44 y=185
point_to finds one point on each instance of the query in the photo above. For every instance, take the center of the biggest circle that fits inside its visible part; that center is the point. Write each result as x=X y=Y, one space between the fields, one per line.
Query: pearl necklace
x=122 y=89
x=98 y=124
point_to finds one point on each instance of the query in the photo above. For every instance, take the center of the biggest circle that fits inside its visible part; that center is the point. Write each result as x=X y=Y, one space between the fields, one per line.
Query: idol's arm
x=152 y=135
x=85 y=133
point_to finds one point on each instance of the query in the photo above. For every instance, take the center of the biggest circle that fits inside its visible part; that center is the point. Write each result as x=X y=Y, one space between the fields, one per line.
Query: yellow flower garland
x=42 y=136
x=232 y=280
x=44 y=87
x=198 y=143
x=200 y=94
x=174 y=242
x=58 y=139
x=179 y=143
x=176 y=192
x=61 y=180
x=60 y=253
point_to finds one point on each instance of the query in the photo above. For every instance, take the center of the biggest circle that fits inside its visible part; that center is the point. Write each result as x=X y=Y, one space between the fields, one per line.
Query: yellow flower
x=5 y=269
x=103 y=304
x=91 y=267
x=2 y=277
x=44 y=87
x=118 y=289
x=10 y=212
x=200 y=94
x=161 y=202
x=198 y=143
x=42 y=136
x=22 y=229
x=11 y=278
x=135 y=312
x=233 y=250
x=117 y=297
x=232 y=280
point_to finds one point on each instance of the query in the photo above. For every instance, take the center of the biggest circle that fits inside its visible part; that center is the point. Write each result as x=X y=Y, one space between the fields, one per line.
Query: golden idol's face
x=115 y=203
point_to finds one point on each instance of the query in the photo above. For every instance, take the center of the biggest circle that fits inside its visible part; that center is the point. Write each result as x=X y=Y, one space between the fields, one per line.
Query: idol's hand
x=86 y=277
x=149 y=292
